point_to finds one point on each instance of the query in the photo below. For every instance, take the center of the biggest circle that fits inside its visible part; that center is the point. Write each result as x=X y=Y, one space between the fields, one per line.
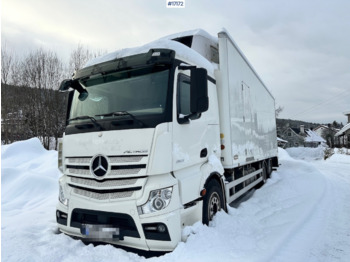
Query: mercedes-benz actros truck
x=162 y=136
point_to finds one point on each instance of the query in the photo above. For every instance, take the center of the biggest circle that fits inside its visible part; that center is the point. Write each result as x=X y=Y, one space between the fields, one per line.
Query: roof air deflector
x=186 y=40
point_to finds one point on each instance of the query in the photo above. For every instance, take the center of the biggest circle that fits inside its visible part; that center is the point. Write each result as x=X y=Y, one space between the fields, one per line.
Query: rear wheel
x=212 y=201
x=269 y=168
x=264 y=173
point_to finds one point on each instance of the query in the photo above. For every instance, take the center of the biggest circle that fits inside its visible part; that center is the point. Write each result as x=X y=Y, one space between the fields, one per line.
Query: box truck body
x=160 y=137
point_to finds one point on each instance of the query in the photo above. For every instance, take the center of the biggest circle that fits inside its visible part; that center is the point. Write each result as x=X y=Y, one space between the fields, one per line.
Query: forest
x=31 y=105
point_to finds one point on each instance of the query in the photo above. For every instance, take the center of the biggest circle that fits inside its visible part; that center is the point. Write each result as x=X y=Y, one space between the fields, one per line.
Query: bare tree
x=42 y=71
x=80 y=56
x=6 y=63
x=31 y=105
x=15 y=71
x=278 y=110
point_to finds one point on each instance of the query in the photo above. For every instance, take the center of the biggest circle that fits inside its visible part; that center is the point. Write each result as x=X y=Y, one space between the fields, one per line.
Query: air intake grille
x=104 y=184
x=125 y=175
x=102 y=196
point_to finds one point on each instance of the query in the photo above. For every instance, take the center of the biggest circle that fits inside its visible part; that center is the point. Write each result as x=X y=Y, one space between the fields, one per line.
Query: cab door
x=193 y=140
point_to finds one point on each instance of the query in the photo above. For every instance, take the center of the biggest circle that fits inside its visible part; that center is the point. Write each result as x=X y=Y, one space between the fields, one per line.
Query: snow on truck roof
x=183 y=52
x=201 y=51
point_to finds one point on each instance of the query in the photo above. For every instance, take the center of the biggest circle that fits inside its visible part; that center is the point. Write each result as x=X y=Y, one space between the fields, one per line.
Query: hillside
x=295 y=123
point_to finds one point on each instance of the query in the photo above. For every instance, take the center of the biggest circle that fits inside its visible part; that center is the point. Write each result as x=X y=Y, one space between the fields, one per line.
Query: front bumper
x=160 y=231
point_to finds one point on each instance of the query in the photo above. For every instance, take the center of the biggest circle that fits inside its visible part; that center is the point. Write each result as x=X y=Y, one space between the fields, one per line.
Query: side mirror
x=69 y=83
x=65 y=85
x=199 y=91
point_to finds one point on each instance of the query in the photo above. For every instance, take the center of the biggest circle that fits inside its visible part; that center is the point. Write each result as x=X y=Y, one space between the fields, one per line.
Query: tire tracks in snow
x=303 y=206
x=321 y=233
x=334 y=246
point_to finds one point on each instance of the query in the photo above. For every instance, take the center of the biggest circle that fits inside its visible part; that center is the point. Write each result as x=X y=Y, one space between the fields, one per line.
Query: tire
x=213 y=201
x=264 y=174
x=269 y=168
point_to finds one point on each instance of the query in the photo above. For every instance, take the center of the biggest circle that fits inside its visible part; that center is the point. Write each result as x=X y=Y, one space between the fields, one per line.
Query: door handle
x=204 y=152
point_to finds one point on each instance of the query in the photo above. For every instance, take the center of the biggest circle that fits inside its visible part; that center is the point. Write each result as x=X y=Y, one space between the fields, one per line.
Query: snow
x=300 y=214
x=343 y=130
x=182 y=52
x=281 y=140
x=313 y=137
x=194 y=32
x=179 y=154
x=214 y=161
x=306 y=153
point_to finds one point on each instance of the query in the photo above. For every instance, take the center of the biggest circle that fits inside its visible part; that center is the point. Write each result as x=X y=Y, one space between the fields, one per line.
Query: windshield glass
x=139 y=92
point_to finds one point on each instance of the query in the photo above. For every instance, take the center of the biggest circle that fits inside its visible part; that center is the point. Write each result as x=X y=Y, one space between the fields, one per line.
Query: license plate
x=100 y=232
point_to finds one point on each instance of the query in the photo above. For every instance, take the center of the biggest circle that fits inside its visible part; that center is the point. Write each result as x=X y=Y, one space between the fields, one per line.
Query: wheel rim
x=214 y=205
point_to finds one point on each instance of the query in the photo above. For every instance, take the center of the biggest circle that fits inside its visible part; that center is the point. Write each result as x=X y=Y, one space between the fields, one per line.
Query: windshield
x=139 y=93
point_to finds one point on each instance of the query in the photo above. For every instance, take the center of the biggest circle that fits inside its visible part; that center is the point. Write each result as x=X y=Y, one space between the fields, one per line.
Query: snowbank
x=341 y=156
x=29 y=191
x=306 y=153
x=293 y=217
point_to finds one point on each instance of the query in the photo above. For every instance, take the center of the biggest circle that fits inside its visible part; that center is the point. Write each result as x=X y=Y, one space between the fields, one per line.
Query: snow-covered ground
x=301 y=214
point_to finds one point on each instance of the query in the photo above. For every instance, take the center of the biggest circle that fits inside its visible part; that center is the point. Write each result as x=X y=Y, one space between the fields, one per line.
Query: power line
x=332 y=99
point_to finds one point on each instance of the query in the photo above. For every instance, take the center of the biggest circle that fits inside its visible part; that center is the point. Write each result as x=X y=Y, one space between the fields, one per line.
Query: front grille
x=103 y=184
x=119 y=166
x=124 y=222
x=102 y=196
x=126 y=175
x=125 y=159
x=122 y=172
x=76 y=171
x=79 y=160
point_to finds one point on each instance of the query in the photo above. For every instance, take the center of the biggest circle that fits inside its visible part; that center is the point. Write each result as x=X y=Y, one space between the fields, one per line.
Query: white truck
x=162 y=136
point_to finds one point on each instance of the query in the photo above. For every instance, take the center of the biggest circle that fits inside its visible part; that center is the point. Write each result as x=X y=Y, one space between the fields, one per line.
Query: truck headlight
x=158 y=200
x=62 y=196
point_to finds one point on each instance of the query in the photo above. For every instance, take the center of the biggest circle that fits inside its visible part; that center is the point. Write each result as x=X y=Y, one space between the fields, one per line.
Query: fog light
x=161 y=228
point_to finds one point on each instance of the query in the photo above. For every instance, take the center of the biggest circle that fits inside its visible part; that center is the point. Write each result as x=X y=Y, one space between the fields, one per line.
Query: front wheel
x=212 y=202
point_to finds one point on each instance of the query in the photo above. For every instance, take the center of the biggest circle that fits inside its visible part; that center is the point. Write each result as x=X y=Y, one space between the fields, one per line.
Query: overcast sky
x=300 y=48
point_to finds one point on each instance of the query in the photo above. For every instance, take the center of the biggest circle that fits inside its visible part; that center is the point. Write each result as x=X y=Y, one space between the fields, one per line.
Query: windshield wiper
x=124 y=113
x=93 y=120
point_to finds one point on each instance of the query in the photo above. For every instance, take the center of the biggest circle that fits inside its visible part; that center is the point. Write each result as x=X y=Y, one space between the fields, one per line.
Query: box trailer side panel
x=247 y=109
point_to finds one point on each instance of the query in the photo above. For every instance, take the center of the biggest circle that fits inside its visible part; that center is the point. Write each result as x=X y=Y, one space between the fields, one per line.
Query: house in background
x=281 y=142
x=328 y=132
x=312 y=139
x=296 y=137
x=293 y=136
x=344 y=133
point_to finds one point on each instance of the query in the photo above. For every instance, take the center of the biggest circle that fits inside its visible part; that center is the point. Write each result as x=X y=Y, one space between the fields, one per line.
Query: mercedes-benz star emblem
x=99 y=166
